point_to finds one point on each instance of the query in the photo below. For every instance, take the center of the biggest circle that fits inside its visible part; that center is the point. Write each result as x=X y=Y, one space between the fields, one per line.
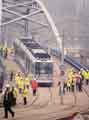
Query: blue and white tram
x=33 y=59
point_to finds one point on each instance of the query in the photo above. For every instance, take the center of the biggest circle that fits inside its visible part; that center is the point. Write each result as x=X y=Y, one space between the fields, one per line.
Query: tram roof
x=32 y=45
x=40 y=53
x=35 y=54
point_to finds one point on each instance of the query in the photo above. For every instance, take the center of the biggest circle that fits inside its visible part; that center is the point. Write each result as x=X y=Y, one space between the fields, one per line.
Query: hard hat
x=34 y=78
x=81 y=69
x=7 y=86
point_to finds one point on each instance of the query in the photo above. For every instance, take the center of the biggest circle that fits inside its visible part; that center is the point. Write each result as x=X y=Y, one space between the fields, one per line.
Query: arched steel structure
x=39 y=8
x=54 y=28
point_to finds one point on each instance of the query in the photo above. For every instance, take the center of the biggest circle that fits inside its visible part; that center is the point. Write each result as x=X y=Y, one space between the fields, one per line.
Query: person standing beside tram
x=34 y=86
x=25 y=94
x=21 y=85
x=27 y=82
x=15 y=95
x=17 y=79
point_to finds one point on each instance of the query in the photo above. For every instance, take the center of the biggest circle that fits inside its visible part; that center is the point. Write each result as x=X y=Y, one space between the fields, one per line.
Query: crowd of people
x=74 y=80
x=22 y=84
x=21 y=87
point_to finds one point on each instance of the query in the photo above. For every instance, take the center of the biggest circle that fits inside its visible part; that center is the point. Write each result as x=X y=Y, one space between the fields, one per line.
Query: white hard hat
x=7 y=86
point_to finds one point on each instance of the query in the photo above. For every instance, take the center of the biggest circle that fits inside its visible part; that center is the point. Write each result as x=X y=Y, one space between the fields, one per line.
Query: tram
x=34 y=59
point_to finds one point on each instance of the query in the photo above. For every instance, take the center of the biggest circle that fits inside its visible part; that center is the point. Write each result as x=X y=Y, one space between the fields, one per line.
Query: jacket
x=8 y=99
x=34 y=84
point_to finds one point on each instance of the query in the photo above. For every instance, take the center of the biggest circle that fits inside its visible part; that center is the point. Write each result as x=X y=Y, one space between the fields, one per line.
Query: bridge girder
x=32 y=7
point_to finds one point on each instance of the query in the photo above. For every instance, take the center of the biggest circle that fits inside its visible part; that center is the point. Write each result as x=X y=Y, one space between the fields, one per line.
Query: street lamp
x=62 y=72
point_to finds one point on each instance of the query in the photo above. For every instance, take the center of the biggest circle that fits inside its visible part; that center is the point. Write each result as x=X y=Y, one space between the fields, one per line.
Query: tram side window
x=37 y=68
x=43 y=68
x=33 y=68
x=49 y=68
x=46 y=68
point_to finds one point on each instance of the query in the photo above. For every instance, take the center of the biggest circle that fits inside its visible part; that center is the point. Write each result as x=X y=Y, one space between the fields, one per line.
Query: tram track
x=55 y=115
x=79 y=110
x=51 y=115
x=35 y=105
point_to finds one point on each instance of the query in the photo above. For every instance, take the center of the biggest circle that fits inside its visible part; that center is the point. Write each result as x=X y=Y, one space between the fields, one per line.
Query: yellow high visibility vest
x=27 y=81
x=25 y=92
x=83 y=73
x=86 y=75
x=15 y=92
x=21 y=84
x=17 y=79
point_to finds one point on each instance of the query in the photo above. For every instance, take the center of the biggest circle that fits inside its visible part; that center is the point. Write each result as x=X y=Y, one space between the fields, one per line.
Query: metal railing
x=69 y=60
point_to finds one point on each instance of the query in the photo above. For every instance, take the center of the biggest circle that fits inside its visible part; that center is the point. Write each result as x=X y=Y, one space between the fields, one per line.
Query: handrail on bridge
x=69 y=60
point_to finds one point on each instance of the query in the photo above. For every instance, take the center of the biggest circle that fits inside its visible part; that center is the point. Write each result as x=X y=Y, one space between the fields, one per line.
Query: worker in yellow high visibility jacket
x=15 y=94
x=27 y=82
x=30 y=77
x=68 y=85
x=83 y=72
x=21 y=85
x=25 y=95
x=86 y=76
x=17 y=79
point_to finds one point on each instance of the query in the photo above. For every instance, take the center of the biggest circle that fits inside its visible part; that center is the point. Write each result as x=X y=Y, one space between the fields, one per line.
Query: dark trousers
x=20 y=90
x=68 y=89
x=25 y=100
x=8 y=109
x=79 y=86
x=34 y=92
x=87 y=81
x=72 y=88
x=64 y=87
x=14 y=102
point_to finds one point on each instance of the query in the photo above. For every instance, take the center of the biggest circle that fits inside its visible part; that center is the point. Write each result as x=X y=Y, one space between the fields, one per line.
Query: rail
x=76 y=62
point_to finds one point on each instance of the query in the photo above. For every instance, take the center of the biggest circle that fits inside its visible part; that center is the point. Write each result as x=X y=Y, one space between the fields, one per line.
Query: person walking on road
x=27 y=82
x=25 y=94
x=7 y=102
x=34 y=85
x=15 y=95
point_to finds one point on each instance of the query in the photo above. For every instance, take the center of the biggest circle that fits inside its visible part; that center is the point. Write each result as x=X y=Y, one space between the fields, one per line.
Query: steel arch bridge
x=21 y=13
